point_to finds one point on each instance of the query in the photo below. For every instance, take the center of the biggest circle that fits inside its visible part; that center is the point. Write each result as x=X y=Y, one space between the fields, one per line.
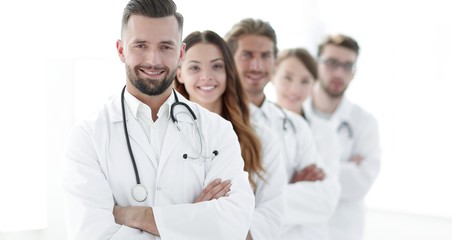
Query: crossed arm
x=309 y=173
x=142 y=217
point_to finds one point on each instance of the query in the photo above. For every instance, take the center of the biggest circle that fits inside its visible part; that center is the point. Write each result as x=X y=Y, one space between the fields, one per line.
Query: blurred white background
x=59 y=64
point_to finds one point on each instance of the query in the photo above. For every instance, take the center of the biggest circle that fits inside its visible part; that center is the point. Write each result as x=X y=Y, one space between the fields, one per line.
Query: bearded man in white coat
x=163 y=178
x=357 y=130
x=312 y=192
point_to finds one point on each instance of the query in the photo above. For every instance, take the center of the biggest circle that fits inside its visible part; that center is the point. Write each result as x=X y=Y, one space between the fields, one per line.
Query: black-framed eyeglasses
x=333 y=64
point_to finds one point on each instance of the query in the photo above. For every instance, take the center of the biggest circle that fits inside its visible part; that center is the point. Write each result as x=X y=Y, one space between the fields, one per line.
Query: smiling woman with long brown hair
x=208 y=76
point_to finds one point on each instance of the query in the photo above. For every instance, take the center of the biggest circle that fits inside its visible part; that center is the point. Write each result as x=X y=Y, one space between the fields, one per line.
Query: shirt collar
x=136 y=106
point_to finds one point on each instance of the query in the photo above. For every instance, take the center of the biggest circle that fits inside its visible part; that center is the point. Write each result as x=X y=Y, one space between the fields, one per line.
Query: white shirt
x=360 y=138
x=155 y=131
x=307 y=202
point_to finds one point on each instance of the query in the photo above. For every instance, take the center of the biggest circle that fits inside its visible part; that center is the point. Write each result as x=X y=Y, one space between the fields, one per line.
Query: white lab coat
x=347 y=223
x=328 y=146
x=99 y=174
x=307 y=202
x=270 y=192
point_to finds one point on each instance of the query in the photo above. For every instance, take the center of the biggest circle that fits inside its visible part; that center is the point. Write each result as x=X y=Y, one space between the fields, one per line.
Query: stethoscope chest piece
x=139 y=193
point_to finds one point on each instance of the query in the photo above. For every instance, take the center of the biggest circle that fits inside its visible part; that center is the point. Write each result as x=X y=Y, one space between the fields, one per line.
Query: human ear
x=120 y=49
x=179 y=75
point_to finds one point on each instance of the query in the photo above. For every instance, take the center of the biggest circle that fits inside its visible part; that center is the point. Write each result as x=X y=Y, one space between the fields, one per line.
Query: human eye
x=140 y=45
x=267 y=55
x=246 y=55
x=169 y=44
x=218 y=66
x=332 y=63
x=305 y=81
x=193 y=68
x=167 y=47
x=349 y=67
x=288 y=78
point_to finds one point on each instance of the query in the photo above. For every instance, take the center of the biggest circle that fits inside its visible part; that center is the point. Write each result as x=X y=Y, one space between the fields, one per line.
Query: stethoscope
x=139 y=191
x=347 y=126
x=286 y=120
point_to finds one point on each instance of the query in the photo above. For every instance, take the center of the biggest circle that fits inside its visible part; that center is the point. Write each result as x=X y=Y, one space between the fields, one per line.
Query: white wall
x=23 y=122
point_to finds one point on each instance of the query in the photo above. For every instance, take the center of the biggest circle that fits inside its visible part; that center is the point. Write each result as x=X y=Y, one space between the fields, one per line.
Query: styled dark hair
x=153 y=9
x=303 y=56
x=250 y=26
x=340 y=40
x=235 y=103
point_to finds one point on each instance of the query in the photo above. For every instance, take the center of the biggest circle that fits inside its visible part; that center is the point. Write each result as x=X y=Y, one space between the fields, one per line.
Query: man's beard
x=332 y=94
x=149 y=86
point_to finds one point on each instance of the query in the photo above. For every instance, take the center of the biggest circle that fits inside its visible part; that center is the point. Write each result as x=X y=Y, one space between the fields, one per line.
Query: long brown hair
x=235 y=103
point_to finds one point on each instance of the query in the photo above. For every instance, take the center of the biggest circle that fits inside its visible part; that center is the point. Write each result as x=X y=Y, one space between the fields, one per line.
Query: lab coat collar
x=342 y=112
x=308 y=108
x=310 y=111
x=271 y=109
x=266 y=109
x=257 y=112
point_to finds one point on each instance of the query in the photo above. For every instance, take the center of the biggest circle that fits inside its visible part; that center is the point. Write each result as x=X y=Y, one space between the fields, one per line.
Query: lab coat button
x=158 y=188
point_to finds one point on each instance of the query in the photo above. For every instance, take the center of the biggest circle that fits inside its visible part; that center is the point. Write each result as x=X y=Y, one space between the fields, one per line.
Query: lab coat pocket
x=193 y=178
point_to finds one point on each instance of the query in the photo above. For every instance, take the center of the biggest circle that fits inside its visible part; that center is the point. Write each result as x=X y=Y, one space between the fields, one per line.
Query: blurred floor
x=400 y=226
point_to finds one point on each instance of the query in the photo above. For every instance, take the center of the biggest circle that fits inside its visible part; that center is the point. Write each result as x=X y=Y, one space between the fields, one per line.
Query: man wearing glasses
x=357 y=130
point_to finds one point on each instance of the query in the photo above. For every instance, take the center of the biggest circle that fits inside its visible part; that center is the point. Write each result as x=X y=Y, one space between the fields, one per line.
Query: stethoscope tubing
x=139 y=191
x=126 y=132
x=349 y=129
x=286 y=120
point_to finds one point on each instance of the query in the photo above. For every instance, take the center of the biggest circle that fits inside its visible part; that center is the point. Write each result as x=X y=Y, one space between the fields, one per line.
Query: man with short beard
x=151 y=164
x=357 y=130
x=312 y=192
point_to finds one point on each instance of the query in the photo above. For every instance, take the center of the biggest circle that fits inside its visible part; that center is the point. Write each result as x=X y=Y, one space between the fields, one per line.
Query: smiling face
x=255 y=60
x=203 y=74
x=151 y=50
x=293 y=84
